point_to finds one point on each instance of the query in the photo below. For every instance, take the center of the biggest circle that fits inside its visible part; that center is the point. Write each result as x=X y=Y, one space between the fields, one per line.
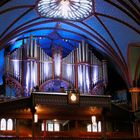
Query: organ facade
x=29 y=66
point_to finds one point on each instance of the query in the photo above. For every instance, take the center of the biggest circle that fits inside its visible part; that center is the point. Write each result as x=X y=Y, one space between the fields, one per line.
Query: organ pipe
x=31 y=46
x=105 y=75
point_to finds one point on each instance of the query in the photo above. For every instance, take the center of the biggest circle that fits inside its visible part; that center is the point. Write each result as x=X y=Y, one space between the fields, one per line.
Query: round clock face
x=65 y=9
x=73 y=97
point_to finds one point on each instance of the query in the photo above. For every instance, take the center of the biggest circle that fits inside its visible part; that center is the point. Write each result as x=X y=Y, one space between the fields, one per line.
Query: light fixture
x=65 y=9
x=35 y=118
x=73 y=97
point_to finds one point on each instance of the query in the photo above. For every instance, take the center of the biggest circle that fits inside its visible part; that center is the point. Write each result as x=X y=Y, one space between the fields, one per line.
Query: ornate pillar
x=33 y=110
x=104 y=130
x=135 y=106
x=17 y=128
x=134 y=97
x=44 y=123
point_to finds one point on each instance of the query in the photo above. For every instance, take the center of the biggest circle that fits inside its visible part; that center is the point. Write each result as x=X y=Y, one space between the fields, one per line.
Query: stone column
x=104 y=129
x=33 y=110
x=135 y=106
x=134 y=97
x=17 y=128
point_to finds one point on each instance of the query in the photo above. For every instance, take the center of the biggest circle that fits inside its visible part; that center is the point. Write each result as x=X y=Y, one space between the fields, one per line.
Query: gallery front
x=55 y=115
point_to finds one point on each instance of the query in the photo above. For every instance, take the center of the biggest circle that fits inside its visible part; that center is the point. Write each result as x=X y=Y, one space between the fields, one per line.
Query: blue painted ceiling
x=113 y=25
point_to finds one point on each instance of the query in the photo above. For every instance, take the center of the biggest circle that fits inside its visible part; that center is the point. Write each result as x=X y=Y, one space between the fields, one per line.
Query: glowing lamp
x=73 y=98
x=35 y=118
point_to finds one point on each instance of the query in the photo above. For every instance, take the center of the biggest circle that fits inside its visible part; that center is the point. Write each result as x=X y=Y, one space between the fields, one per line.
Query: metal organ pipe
x=69 y=68
x=83 y=50
x=35 y=63
x=84 y=78
x=44 y=60
x=105 y=75
x=20 y=64
x=40 y=65
x=28 y=76
x=87 y=52
x=45 y=66
x=77 y=52
x=30 y=69
x=35 y=48
x=80 y=53
x=27 y=47
x=31 y=46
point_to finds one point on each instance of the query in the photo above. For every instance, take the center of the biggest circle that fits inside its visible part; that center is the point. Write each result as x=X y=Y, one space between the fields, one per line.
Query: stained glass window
x=89 y=128
x=3 y=124
x=56 y=127
x=50 y=126
x=42 y=127
x=99 y=126
x=9 y=124
x=94 y=127
x=65 y=9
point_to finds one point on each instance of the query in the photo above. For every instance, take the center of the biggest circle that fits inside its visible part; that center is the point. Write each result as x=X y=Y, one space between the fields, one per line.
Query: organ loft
x=51 y=90
x=51 y=94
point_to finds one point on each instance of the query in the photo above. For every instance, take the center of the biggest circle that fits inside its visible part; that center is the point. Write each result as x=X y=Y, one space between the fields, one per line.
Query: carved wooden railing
x=74 y=135
x=61 y=99
x=14 y=104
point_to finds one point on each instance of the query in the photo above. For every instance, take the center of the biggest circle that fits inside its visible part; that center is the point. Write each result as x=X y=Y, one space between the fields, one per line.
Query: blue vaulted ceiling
x=113 y=26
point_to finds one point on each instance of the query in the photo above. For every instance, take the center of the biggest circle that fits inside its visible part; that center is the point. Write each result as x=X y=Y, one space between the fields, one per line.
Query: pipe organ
x=92 y=73
x=30 y=66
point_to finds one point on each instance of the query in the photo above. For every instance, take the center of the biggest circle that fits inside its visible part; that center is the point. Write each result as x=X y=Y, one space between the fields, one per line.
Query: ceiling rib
x=120 y=21
x=14 y=22
x=123 y=10
x=121 y=58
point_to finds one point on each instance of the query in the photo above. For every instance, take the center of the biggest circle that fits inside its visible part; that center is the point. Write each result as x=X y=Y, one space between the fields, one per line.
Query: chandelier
x=65 y=9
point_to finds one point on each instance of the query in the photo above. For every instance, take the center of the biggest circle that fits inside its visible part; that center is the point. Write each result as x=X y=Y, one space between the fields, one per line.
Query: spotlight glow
x=66 y=9
x=57 y=64
x=73 y=97
x=69 y=70
x=16 y=67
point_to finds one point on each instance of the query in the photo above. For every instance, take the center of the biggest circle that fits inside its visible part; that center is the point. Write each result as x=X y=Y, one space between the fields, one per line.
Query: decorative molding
x=50 y=99
x=134 y=90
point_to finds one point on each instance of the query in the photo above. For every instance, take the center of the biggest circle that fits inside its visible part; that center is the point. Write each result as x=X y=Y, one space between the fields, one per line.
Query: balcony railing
x=71 y=135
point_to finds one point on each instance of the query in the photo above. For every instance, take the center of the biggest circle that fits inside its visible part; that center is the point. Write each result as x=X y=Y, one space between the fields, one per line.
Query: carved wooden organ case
x=29 y=66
